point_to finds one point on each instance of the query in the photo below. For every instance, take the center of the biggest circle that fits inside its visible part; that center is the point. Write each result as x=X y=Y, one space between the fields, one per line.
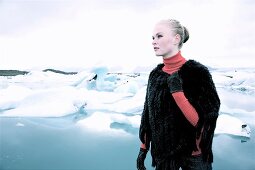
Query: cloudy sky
x=85 y=33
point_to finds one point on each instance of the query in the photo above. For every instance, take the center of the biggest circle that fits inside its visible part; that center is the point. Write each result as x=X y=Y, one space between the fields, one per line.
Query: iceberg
x=101 y=100
x=227 y=124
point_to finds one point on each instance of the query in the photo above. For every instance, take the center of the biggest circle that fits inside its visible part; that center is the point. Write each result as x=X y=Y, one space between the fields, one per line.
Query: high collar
x=173 y=64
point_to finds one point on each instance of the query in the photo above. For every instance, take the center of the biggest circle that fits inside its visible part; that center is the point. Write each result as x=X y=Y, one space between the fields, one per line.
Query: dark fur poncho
x=170 y=133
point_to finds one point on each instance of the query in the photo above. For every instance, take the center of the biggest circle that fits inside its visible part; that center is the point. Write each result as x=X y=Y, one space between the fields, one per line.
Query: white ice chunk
x=227 y=124
x=20 y=124
x=53 y=102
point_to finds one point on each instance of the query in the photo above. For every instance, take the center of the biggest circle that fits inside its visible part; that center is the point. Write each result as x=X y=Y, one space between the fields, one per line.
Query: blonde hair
x=177 y=28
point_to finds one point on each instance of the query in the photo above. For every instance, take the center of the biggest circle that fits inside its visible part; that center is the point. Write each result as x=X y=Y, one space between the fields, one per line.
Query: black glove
x=140 y=159
x=174 y=82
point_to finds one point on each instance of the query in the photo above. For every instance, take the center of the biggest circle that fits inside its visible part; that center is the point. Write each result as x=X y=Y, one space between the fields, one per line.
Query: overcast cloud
x=75 y=33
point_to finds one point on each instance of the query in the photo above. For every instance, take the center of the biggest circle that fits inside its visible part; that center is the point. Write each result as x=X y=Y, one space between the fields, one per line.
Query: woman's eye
x=157 y=36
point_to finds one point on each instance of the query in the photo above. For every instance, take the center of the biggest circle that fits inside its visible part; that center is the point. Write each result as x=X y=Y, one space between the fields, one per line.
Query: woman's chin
x=158 y=55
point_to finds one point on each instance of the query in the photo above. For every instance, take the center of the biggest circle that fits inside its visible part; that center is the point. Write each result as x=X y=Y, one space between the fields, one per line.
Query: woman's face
x=165 y=42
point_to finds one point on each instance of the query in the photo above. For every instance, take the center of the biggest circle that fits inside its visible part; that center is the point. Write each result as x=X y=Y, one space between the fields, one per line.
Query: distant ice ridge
x=239 y=80
x=113 y=102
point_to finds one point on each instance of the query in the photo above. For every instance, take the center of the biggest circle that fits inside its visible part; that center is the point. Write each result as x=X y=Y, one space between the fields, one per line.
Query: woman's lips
x=156 y=48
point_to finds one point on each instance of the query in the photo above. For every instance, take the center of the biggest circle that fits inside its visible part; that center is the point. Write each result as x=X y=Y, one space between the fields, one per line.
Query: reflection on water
x=30 y=145
x=235 y=153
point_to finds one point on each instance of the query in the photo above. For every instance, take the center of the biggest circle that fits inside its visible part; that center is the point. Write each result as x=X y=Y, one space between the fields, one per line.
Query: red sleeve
x=187 y=109
x=143 y=146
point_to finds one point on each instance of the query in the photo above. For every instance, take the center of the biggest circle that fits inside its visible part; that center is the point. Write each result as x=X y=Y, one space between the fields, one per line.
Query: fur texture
x=169 y=132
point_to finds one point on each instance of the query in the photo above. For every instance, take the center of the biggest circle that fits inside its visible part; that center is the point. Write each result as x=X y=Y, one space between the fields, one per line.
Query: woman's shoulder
x=194 y=66
x=158 y=68
x=157 y=73
x=194 y=69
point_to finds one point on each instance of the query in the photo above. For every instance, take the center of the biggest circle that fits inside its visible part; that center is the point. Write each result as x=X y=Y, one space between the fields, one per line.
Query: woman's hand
x=174 y=82
x=140 y=159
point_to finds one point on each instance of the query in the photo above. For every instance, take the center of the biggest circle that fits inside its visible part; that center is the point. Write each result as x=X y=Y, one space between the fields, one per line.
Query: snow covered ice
x=116 y=97
x=109 y=98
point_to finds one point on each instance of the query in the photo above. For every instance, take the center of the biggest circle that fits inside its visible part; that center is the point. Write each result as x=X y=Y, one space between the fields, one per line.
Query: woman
x=181 y=106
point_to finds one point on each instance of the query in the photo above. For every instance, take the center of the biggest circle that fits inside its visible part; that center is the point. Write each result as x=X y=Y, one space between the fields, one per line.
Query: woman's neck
x=172 y=64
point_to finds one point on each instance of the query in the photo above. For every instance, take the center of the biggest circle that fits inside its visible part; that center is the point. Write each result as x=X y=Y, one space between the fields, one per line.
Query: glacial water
x=59 y=144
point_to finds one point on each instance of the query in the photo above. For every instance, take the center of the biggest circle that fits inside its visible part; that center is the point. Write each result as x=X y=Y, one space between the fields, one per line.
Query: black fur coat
x=170 y=134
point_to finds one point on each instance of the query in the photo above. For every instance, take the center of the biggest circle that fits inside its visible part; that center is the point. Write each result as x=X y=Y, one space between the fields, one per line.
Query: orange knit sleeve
x=143 y=146
x=187 y=109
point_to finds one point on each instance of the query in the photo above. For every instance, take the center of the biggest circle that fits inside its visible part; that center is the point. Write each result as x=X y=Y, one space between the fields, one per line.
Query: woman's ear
x=177 y=39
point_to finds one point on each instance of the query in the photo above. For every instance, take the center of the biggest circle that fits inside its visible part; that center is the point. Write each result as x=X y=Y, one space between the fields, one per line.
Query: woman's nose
x=154 y=42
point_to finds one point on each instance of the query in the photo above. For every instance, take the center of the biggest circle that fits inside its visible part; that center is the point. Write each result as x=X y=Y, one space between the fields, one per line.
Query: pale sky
x=76 y=34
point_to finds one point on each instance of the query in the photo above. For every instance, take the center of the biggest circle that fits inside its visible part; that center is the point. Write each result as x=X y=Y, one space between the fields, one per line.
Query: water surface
x=58 y=144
